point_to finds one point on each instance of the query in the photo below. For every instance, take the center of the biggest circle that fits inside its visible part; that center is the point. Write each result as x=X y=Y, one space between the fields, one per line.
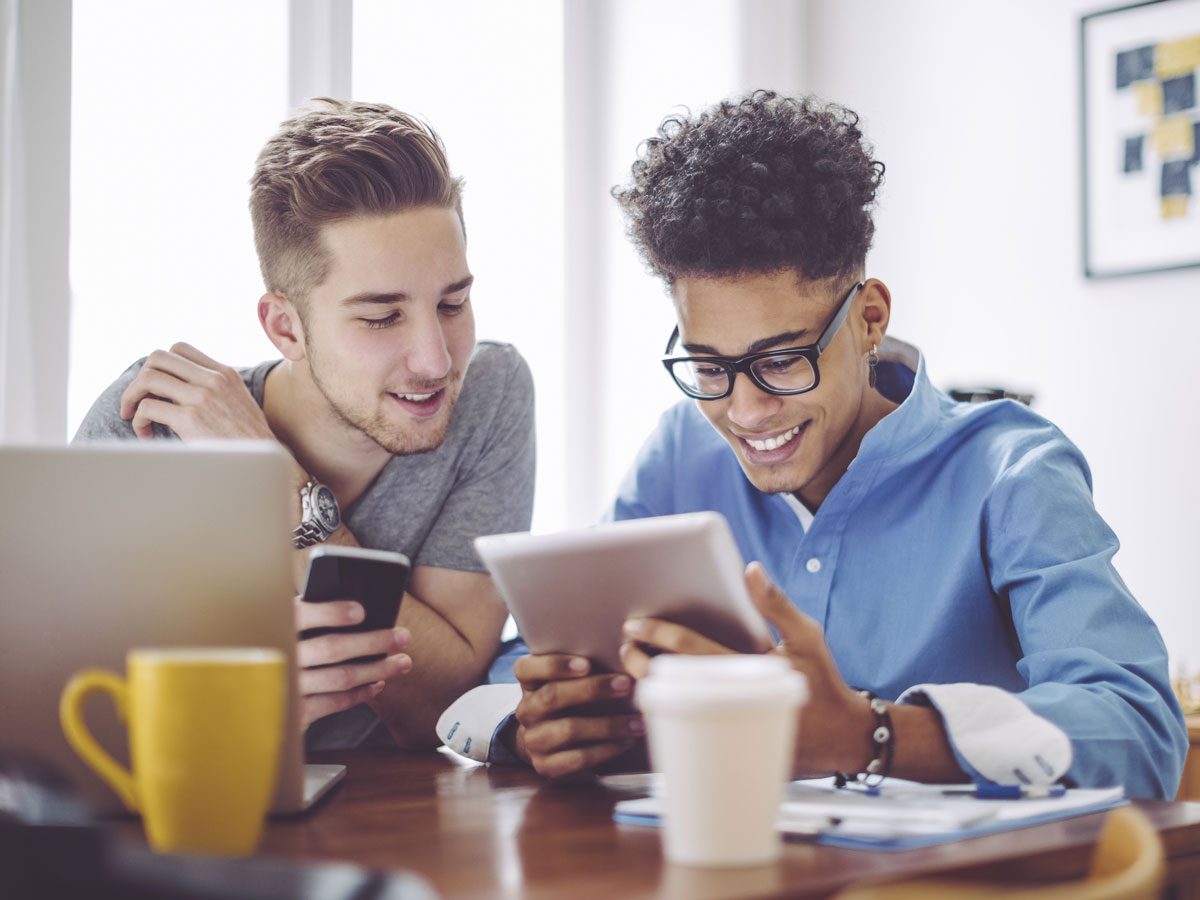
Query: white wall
x=975 y=110
x=170 y=105
x=650 y=59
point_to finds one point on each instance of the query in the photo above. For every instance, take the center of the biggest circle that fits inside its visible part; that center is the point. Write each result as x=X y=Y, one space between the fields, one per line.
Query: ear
x=281 y=321
x=876 y=302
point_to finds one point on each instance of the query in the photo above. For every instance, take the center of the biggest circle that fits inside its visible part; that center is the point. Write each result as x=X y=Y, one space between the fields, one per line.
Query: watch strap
x=311 y=529
x=306 y=534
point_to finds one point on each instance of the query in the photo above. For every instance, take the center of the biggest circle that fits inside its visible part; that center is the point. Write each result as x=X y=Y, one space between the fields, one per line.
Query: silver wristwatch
x=319 y=515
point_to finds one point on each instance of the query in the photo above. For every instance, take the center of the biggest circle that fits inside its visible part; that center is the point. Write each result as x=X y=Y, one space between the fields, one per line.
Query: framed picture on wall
x=1141 y=138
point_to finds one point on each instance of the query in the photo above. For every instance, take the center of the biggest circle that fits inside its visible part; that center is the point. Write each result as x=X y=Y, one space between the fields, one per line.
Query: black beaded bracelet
x=883 y=739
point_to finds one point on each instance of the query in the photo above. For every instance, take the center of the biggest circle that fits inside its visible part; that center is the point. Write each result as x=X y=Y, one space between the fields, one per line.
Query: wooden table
x=475 y=831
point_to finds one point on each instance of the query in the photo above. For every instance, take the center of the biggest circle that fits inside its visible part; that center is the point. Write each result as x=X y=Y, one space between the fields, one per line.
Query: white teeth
x=775 y=442
x=417 y=398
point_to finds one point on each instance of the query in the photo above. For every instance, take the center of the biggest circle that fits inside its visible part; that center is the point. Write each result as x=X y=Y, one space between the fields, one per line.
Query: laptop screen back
x=112 y=546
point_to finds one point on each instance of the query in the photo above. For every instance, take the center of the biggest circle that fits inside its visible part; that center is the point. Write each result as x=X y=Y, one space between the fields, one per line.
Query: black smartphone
x=375 y=578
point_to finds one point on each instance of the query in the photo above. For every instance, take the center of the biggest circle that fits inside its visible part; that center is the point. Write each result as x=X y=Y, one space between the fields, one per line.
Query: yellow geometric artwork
x=1175 y=58
x=1175 y=206
x=1148 y=95
x=1173 y=137
x=1141 y=153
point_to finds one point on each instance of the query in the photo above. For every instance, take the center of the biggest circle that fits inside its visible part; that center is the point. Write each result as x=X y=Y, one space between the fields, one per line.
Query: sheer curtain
x=16 y=375
x=35 y=80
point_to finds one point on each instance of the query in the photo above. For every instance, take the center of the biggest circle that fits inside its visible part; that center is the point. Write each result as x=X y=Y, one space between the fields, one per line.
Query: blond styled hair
x=339 y=160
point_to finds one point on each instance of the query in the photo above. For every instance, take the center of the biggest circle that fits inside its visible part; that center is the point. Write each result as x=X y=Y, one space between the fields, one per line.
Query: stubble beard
x=383 y=431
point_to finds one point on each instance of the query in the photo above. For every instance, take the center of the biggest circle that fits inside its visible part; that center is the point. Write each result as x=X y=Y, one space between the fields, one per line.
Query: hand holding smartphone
x=376 y=579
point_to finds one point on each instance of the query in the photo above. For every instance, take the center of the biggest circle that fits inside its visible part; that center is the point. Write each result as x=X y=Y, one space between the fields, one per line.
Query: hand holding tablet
x=571 y=592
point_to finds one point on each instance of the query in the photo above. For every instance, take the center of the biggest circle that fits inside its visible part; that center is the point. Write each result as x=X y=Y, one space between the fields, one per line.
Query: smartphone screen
x=376 y=579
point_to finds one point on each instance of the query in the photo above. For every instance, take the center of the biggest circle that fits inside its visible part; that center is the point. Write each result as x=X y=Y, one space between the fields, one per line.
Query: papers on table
x=904 y=815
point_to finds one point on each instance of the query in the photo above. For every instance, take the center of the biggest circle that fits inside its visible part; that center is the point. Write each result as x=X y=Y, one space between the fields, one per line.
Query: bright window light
x=488 y=77
x=171 y=103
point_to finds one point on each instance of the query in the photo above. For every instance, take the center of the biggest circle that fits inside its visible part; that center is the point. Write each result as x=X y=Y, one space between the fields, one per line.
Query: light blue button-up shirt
x=961 y=545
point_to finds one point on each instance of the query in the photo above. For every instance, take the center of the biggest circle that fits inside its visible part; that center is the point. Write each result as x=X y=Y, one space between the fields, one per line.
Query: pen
x=1007 y=791
x=981 y=791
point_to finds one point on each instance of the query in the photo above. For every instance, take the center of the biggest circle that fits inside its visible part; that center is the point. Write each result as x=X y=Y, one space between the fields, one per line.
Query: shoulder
x=1019 y=463
x=255 y=378
x=492 y=358
x=977 y=443
x=1016 y=440
x=103 y=419
x=497 y=375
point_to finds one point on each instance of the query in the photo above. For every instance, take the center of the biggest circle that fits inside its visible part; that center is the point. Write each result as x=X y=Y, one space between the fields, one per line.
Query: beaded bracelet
x=884 y=747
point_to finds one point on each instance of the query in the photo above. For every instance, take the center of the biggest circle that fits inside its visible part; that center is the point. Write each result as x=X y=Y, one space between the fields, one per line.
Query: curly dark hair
x=760 y=184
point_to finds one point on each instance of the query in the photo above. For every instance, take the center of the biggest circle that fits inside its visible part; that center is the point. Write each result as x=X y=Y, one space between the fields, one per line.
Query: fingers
x=327 y=614
x=194 y=369
x=335 y=648
x=153 y=384
x=194 y=396
x=344 y=679
x=635 y=660
x=554 y=735
x=797 y=631
x=557 y=745
x=331 y=687
x=553 y=697
x=559 y=748
x=671 y=637
x=570 y=762
x=184 y=350
x=165 y=375
x=317 y=706
x=532 y=671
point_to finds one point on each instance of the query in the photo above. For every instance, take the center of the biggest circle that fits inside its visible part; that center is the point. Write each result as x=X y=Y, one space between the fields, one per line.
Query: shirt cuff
x=995 y=736
x=470 y=724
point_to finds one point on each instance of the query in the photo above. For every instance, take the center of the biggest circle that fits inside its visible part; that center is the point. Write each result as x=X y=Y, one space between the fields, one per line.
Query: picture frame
x=1140 y=147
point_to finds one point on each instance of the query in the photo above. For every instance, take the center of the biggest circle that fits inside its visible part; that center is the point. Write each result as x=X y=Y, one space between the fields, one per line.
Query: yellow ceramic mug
x=205 y=727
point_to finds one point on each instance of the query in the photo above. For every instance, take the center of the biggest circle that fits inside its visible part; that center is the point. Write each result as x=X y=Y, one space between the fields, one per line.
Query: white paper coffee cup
x=722 y=730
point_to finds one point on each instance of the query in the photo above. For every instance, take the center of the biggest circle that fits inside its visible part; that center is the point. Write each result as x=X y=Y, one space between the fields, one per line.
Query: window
x=488 y=77
x=171 y=103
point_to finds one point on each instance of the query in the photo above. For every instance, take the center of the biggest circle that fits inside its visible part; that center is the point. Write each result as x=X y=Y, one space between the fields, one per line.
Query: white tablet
x=570 y=592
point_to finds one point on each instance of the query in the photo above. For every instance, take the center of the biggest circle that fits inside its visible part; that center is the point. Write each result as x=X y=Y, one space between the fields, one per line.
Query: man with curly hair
x=940 y=573
x=387 y=405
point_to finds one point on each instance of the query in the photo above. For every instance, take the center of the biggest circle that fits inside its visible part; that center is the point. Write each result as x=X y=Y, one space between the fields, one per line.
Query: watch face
x=327 y=508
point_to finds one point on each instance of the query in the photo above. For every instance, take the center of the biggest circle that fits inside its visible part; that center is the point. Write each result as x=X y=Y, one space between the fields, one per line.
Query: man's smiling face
x=800 y=443
x=389 y=331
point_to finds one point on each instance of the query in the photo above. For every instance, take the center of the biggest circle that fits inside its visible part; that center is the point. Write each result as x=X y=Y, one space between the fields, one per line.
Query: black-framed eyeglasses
x=792 y=370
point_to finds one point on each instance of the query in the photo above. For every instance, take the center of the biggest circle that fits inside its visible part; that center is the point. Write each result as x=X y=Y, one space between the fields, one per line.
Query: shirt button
x=813 y=565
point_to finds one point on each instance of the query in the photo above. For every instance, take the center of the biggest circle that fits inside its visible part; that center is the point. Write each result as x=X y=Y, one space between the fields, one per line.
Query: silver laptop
x=119 y=545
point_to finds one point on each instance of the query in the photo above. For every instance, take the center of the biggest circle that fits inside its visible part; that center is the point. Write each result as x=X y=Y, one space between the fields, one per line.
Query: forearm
x=921 y=748
x=445 y=664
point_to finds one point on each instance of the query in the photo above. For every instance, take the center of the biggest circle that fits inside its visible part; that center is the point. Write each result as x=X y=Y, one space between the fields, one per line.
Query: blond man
x=405 y=433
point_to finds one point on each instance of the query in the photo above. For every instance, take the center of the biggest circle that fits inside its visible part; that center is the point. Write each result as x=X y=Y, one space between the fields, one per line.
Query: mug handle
x=70 y=714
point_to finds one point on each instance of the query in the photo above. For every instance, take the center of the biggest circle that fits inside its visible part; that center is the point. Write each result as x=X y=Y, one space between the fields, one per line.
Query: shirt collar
x=916 y=415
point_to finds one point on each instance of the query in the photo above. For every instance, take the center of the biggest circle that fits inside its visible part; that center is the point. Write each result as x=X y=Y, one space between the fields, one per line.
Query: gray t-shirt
x=429 y=506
